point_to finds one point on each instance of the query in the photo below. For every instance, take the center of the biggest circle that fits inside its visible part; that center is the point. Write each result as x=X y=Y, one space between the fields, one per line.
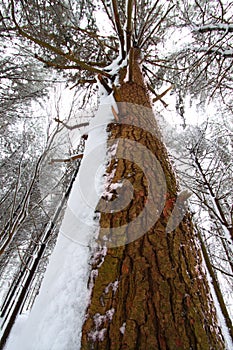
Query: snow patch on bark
x=100 y=320
x=122 y=329
x=113 y=286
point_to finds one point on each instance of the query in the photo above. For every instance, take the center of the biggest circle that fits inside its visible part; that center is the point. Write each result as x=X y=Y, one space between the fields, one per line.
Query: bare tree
x=204 y=163
x=204 y=61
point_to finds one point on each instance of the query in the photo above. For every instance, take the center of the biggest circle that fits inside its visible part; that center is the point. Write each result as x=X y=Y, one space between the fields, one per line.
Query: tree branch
x=157 y=98
x=105 y=84
x=222 y=271
x=84 y=81
x=55 y=65
x=142 y=30
x=80 y=64
x=108 y=14
x=153 y=92
x=118 y=26
x=156 y=26
x=71 y=127
x=66 y=160
x=115 y=114
x=216 y=27
x=129 y=25
x=131 y=64
x=24 y=207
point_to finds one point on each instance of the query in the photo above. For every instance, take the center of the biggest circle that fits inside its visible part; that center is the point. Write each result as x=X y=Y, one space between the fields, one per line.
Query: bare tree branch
x=228 y=28
x=70 y=159
x=71 y=127
x=147 y=19
x=156 y=27
x=157 y=98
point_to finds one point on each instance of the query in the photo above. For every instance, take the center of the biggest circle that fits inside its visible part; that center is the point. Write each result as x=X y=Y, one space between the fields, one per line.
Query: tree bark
x=149 y=291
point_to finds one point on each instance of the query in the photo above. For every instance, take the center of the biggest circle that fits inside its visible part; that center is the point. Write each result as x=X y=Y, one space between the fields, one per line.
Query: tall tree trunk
x=149 y=290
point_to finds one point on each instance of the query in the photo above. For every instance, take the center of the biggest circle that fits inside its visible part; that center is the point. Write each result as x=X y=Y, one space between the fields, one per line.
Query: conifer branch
x=80 y=64
x=142 y=30
x=156 y=26
x=55 y=65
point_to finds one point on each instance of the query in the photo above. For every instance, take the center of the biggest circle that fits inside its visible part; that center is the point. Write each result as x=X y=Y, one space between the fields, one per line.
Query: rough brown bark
x=152 y=292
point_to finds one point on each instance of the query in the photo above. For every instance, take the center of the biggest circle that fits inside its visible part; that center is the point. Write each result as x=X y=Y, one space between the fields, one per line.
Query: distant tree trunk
x=152 y=292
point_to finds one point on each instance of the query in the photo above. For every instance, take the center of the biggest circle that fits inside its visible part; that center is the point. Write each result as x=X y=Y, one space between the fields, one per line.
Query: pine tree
x=162 y=299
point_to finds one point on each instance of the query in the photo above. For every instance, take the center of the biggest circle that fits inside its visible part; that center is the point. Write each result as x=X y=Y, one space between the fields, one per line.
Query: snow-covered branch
x=216 y=27
x=227 y=53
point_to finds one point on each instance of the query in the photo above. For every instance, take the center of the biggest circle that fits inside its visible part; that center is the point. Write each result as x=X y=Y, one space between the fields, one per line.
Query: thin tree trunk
x=151 y=292
x=16 y=297
x=216 y=286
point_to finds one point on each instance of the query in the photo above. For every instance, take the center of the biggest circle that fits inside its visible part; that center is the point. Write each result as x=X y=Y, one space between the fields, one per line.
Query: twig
x=116 y=116
x=73 y=126
x=66 y=160
x=142 y=30
x=84 y=81
x=153 y=92
x=55 y=65
x=157 y=98
x=156 y=26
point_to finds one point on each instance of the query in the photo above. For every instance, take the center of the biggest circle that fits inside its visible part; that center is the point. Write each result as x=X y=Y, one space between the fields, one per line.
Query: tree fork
x=151 y=293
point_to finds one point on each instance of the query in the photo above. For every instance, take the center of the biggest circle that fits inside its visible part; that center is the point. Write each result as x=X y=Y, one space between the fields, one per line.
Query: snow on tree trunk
x=149 y=291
